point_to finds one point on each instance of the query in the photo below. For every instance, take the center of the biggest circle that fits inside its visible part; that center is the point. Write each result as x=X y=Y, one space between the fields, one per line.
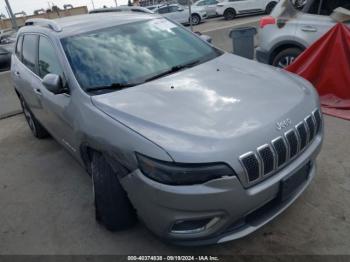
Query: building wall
x=6 y=23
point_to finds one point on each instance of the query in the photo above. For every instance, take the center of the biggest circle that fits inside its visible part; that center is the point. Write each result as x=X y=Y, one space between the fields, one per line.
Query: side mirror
x=53 y=83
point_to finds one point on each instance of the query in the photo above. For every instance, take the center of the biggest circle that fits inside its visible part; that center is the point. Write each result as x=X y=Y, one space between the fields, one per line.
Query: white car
x=231 y=8
x=181 y=15
x=209 y=6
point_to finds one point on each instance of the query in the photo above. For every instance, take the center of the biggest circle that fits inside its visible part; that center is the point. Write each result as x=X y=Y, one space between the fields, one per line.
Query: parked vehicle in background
x=232 y=8
x=122 y=9
x=171 y=129
x=7 y=39
x=5 y=57
x=289 y=31
x=181 y=14
x=153 y=7
x=209 y=6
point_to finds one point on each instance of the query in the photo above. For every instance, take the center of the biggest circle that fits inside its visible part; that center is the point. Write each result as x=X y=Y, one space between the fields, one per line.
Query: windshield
x=132 y=53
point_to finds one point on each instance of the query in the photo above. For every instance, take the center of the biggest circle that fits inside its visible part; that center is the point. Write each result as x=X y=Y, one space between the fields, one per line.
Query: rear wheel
x=112 y=206
x=230 y=14
x=286 y=57
x=196 y=19
x=37 y=129
x=270 y=7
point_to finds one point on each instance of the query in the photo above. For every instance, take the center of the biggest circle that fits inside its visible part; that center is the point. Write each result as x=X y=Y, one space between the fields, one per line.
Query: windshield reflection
x=132 y=52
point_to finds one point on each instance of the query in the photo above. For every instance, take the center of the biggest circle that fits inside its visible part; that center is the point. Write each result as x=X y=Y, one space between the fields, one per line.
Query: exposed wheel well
x=282 y=47
x=86 y=153
x=271 y=2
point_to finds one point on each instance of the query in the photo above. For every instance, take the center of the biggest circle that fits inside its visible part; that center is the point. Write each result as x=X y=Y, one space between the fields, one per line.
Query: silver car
x=294 y=26
x=181 y=14
x=201 y=145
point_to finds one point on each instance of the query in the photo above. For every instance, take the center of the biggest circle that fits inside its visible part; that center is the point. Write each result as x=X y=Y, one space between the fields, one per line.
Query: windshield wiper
x=173 y=70
x=114 y=86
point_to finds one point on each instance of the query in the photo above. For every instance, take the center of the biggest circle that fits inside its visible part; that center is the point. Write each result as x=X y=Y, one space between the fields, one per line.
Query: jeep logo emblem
x=283 y=124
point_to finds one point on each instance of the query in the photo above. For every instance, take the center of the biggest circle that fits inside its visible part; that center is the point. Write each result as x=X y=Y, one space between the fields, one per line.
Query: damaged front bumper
x=219 y=210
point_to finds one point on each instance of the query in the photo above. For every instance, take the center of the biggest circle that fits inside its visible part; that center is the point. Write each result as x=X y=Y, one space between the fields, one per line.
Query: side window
x=48 y=62
x=19 y=47
x=29 y=51
x=202 y=3
x=163 y=10
x=173 y=9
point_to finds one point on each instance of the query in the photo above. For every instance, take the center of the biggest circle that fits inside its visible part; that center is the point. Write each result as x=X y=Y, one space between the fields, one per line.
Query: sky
x=30 y=5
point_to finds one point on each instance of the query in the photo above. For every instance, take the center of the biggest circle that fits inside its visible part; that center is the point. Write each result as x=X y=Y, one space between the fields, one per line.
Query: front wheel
x=195 y=19
x=230 y=14
x=112 y=206
x=286 y=57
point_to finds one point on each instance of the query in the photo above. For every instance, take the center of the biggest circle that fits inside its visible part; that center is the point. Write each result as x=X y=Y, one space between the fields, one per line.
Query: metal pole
x=116 y=5
x=13 y=18
x=93 y=5
x=190 y=12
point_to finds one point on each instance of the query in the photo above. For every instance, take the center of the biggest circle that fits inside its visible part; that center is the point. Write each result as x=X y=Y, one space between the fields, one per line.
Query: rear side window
x=48 y=62
x=163 y=10
x=19 y=47
x=29 y=51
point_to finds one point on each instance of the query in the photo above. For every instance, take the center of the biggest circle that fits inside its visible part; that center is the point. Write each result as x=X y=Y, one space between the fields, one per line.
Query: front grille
x=302 y=131
x=251 y=165
x=318 y=120
x=292 y=142
x=267 y=158
x=281 y=149
x=272 y=156
x=311 y=126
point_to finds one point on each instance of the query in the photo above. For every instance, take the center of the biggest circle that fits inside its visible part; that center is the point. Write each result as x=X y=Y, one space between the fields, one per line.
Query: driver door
x=57 y=108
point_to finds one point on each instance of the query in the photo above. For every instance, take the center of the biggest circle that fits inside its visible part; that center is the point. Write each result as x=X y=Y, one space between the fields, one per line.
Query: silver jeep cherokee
x=203 y=146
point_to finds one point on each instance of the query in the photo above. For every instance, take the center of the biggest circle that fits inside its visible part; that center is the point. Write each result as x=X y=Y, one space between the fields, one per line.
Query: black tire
x=286 y=57
x=230 y=14
x=270 y=7
x=112 y=206
x=196 y=19
x=37 y=129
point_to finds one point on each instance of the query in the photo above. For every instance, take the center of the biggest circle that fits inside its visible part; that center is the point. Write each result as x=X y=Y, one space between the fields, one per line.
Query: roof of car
x=73 y=25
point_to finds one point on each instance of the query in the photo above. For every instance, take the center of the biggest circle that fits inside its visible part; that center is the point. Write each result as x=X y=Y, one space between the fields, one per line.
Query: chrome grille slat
x=317 y=115
x=267 y=158
x=270 y=157
x=281 y=150
x=293 y=142
x=303 y=134
x=252 y=166
x=311 y=126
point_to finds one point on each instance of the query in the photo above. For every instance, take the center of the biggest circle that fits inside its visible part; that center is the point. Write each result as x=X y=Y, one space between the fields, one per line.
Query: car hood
x=212 y=108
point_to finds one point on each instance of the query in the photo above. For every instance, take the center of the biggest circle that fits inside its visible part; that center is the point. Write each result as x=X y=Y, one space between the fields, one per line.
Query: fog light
x=193 y=226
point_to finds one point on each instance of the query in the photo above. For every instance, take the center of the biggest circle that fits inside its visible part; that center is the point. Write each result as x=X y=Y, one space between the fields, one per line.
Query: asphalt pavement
x=46 y=205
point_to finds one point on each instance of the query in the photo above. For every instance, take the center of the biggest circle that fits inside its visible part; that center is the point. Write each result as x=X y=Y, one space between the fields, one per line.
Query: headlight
x=181 y=174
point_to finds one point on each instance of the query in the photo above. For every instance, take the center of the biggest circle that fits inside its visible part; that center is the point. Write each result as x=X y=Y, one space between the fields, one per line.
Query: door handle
x=37 y=91
x=309 y=29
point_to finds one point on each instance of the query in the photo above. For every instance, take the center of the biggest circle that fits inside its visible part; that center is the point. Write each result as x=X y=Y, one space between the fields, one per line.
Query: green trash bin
x=243 y=41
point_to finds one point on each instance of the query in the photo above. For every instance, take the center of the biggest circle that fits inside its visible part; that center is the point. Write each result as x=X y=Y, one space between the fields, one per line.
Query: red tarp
x=326 y=64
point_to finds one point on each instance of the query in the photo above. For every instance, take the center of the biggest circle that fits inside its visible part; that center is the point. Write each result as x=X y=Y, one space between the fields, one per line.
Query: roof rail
x=44 y=22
